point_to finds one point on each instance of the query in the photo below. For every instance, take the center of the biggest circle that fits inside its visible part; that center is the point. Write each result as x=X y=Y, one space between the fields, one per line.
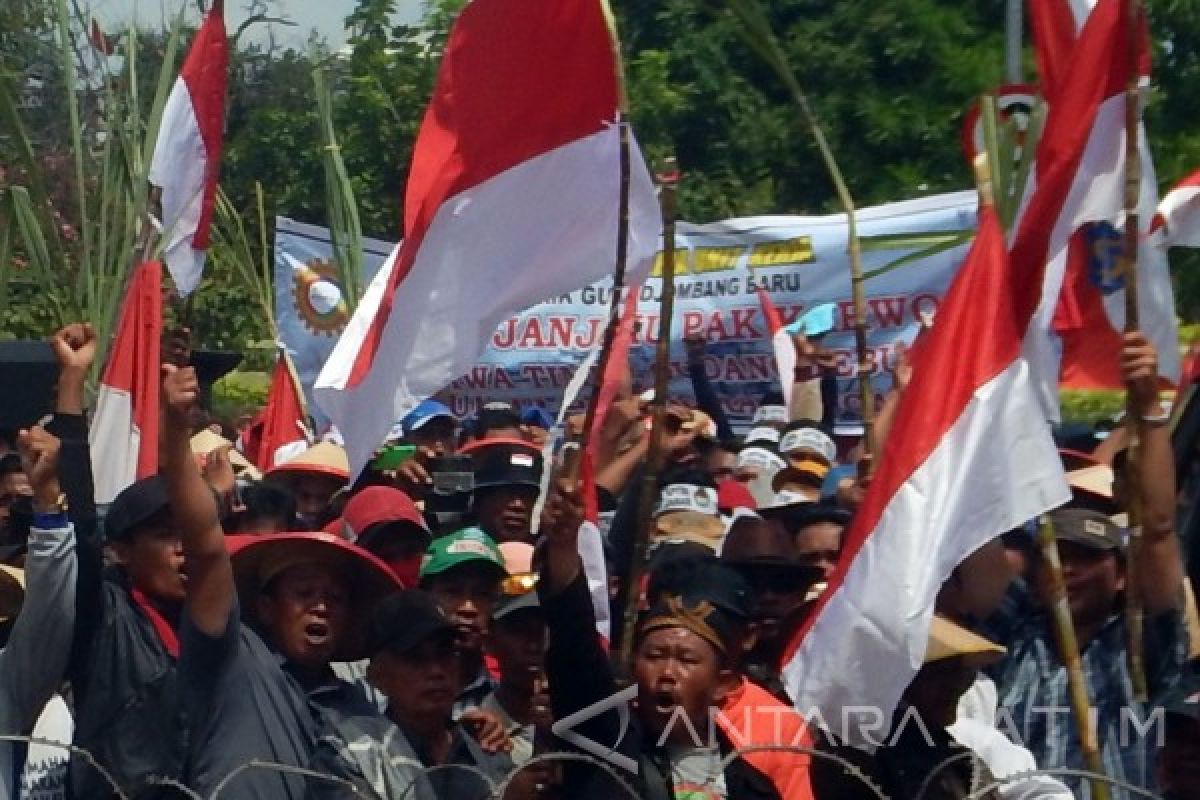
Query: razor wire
x=625 y=786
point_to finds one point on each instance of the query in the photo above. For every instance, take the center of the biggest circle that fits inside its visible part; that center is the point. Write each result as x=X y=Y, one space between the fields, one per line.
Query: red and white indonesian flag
x=1089 y=313
x=781 y=344
x=512 y=198
x=962 y=465
x=124 y=431
x=187 y=154
x=966 y=459
x=1178 y=219
x=279 y=432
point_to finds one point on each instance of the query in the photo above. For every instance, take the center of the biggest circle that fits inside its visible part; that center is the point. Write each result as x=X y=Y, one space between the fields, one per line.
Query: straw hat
x=323 y=458
x=947 y=640
x=12 y=591
x=206 y=441
x=257 y=560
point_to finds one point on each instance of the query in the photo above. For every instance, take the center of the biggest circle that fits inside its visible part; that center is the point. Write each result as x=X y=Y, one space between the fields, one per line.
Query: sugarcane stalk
x=756 y=31
x=1068 y=648
x=1134 y=611
x=654 y=459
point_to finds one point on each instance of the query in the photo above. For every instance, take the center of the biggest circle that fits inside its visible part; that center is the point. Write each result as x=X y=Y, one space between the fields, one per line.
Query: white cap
x=770 y=414
x=760 y=458
x=687 y=497
x=809 y=439
x=762 y=434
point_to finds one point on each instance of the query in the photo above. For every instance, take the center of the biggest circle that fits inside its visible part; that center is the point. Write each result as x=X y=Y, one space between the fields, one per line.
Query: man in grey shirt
x=34 y=660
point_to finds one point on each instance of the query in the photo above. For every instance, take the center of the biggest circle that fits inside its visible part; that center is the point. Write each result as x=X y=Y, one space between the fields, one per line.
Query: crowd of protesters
x=416 y=631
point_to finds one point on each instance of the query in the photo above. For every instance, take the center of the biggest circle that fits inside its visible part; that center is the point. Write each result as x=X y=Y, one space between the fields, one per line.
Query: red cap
x=733 y=494
x=376 y=505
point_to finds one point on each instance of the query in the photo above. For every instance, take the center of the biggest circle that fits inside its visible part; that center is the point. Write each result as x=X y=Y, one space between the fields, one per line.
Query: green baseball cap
x=462 y=547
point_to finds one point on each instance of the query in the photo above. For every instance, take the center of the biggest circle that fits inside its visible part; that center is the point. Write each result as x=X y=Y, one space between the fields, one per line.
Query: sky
x=324 y=16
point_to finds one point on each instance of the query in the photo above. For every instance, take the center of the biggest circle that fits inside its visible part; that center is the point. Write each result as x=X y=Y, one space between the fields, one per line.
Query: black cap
x=510 y=604
x=1087 y=528
x=813 y=513
x=134 y=506
x=402 y=621
x=702 y=579
x=30 y=371
x=505 y=462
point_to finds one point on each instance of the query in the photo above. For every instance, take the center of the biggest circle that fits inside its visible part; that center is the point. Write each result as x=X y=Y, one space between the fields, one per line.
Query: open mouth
x=316 y=633
x=663 y=702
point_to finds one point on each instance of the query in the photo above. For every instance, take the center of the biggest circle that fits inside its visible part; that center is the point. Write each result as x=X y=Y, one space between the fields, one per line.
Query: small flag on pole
x=124 y=431
x=187 y=154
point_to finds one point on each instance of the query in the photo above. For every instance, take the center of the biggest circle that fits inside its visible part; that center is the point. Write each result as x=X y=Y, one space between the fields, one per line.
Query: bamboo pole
x=1134 y=611
x=573 y=458
x=1068 y=648
x=654 y=459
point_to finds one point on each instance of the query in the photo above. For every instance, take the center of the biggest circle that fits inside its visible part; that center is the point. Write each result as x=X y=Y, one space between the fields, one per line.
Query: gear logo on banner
x=318 y=298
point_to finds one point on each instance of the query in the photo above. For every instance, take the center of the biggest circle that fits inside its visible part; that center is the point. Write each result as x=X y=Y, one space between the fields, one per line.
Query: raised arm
x=33 y=664
x=211 y=593
x=1160 y=568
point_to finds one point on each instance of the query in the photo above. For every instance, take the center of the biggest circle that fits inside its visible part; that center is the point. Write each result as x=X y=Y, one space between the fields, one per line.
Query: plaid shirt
x=1035 y=703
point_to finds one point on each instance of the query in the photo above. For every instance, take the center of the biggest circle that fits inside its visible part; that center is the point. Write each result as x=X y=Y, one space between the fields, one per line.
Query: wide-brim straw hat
x=257 y=560
x=206 y=441
x=950 y=640
x=323 y=458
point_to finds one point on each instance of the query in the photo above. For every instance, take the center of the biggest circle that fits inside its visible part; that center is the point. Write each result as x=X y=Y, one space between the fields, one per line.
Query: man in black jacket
x=668 y=748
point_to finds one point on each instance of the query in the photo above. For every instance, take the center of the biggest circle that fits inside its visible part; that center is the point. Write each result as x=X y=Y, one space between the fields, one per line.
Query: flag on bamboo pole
x=1090 y=313
x=187 y=154
x=280 y=430
x=512 y=198
x=942 y=488
x=124 y=431
x=1177 y=221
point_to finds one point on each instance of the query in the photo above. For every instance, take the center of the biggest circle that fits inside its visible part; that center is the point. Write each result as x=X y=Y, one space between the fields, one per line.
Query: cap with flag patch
x=505 y=462
x=466 y=546
x=1085 y=527
x=807 y=440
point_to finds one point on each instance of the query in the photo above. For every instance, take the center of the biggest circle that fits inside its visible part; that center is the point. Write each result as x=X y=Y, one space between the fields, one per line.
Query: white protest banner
x=801 y=261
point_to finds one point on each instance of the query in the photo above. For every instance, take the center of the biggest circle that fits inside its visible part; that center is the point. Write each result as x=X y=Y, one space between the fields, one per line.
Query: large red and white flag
x=963 y=464
x=512 y=198
x=280 y=430
x=1089 y=315
x=124 y=431
x=187 y=154
x=1177 y=221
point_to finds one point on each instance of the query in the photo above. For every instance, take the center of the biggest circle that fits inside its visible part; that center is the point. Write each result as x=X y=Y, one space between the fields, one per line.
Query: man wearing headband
x=684 y=651
x=263 y=688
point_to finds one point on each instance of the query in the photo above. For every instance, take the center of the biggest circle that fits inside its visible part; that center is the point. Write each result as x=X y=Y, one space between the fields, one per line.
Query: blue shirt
x=1035 y=701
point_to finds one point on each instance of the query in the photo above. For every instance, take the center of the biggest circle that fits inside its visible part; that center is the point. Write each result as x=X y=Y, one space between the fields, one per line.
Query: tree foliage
x=891 y=83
